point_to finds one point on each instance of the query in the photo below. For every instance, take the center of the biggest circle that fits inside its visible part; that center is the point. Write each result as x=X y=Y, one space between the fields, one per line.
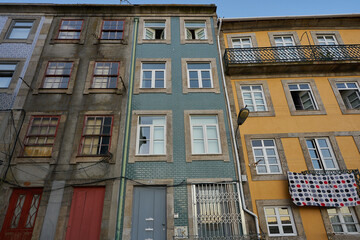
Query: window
x=153 y=75
x=302 y=96
x=205 y=135
x=6 y=74
x=283 y=41
x=247 y=53
x=105 y=75
x=326 y=40
x=321 y=154
x=216 y=210
x=256 y=95
x=244 y=42
x=199 y=75
x=279 y=221
x=70 y=29
x=343 y=220
x=20 y=29
x=154 y=30
x=57 y=75
x=266 y=156
x=40 y=137
x=96 y=135
x=284 y=46
x=253 y=98
x=350 y=94
x=151 y=135
x=195 y=30
x=112 y=29
x=21 y=213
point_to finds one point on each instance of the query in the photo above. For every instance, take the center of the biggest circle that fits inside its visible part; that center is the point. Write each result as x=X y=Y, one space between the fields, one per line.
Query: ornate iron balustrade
x=292 y=54
x=356 y=173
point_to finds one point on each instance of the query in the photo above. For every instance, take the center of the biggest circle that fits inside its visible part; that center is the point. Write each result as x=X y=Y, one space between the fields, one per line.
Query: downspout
x=233 y=138
x=119 y=220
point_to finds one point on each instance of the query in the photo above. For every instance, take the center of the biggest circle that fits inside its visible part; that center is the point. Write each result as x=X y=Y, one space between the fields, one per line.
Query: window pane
x=274 y=230
x=288 y=229
x=153 y=65
x=19 y=33
x=274 y=169
x=144 y=147
x=158 y=133
x=256 y=143
x=213 y=146
x=159 y=147
x=198 y=147
x=198 y=132
x=198 y=65
x=268 y=143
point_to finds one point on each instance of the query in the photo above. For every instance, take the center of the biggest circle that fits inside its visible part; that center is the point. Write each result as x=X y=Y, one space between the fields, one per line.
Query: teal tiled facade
x=179 y=170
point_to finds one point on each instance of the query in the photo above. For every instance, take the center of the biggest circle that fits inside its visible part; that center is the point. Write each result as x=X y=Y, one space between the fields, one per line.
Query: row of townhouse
x=118 y=122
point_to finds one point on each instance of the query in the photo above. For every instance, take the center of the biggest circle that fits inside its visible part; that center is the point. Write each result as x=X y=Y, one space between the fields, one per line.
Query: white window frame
x=151 y=140
x=323 y=41
x=7 y=71
x=240 y=44
x=153 y=30
x=307 y=91
x=204 y=130
x=265 y=156
x=153 y=71
x=254 y=107
x=321 y=159
x=13 y=26
x=196 y=30
x=346 y=87
x=278 y=219
x=199 y=77
x=342 y=222
x=283 y=42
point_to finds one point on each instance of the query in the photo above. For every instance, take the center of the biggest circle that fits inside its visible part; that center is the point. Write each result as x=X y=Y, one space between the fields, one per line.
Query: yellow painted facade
x=289 y=128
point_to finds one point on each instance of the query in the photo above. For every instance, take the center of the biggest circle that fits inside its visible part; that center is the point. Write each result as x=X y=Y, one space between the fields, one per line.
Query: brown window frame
x=46 y=75
x=67 y=30
x=83 y=135
x=103 y=75
x=112 y=30
x=28 y=135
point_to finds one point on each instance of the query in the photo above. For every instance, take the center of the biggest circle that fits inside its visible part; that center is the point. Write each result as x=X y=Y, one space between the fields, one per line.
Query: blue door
x=149 y=213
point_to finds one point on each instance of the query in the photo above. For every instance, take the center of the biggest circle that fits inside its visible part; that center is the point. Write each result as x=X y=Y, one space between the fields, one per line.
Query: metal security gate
x=149 y=213
x=217 y=211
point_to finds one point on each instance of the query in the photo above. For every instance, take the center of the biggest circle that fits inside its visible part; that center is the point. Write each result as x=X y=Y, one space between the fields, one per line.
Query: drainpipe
x=233 y=138
x=119 y=221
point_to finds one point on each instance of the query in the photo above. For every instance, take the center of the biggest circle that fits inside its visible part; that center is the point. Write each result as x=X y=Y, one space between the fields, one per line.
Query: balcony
x=294 y=59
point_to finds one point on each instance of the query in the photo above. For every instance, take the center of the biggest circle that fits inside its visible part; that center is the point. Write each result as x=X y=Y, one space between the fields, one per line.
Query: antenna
x=126 y=1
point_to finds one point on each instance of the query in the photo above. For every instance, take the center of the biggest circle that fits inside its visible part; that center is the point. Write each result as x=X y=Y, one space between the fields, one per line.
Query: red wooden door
x=85 y=214
x=21 y=214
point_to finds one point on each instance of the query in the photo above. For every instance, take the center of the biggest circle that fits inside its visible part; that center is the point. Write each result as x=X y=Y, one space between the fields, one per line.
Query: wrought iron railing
x=292 y=54
x=239 y=237
x=356 y=173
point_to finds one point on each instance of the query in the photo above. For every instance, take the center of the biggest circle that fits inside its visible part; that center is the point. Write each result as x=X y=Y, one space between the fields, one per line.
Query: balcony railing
x=295 y=54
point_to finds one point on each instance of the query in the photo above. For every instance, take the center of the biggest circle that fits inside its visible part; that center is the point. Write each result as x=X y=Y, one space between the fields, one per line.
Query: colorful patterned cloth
x=333 y=190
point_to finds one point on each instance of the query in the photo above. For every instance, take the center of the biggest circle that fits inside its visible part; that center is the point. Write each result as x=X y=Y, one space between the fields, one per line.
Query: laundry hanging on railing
x=323 y=190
